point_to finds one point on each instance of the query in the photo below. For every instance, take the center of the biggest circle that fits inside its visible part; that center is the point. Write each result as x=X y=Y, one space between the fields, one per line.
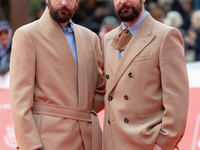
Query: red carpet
x=190 y=141
x=7 y=136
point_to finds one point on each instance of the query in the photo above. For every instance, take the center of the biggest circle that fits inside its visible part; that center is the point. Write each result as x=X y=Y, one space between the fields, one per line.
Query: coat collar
x=139 y=41
x=52 y=29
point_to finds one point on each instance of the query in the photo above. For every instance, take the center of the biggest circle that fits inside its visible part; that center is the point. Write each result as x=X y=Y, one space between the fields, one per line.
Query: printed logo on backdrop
x=196 y=138
x=7 y=135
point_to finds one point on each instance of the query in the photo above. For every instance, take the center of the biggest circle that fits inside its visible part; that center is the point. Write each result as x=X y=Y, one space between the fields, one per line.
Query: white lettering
x=5 y=106
x=9 y=138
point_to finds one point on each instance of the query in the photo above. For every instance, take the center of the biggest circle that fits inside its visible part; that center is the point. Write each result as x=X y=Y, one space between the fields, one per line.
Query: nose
x=124 y=2
x=64 y=3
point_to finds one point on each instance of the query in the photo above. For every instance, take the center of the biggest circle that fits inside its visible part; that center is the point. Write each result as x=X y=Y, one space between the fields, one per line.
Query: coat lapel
x=113 y=54
x=53 y=30
x=82 y=67
x=137 y=44
x=58 y=39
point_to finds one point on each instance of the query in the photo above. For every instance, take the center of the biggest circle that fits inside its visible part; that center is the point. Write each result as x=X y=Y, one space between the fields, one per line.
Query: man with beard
x=56 y=80
x=147 y=90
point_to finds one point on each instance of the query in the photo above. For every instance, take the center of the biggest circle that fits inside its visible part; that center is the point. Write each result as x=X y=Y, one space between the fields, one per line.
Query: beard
x=61 y=16
x=129 y=15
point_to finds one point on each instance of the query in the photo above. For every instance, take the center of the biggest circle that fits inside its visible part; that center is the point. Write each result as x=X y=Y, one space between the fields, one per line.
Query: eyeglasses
x=3 y=32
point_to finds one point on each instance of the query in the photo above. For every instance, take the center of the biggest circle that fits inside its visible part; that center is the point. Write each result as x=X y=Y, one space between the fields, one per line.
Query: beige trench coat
x=53 y=102
x=147 y=90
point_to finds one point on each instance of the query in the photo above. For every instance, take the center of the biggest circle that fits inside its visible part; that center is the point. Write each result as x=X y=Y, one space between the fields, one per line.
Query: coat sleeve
x=175 y=86
x=22 y=80
x=98 y=104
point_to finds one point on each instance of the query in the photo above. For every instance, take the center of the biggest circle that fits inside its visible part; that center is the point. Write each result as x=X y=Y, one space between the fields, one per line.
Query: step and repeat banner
x=190 y=141
x=7 y=136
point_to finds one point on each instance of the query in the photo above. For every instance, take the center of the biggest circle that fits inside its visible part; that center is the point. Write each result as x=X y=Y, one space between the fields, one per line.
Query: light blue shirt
x=69 y=34
x=133 y=28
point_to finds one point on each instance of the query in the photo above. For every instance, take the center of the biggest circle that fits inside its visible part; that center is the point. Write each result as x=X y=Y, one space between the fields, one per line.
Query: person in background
x=56 y=82
x=193 y=34
x=5 y=46
x=196 y=4
x=108 y=24
x=174 y=19
x=147 y=88
x=156 y=11
x=184 y=8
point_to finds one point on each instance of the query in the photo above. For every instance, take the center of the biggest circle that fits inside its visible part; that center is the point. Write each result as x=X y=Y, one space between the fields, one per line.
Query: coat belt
x=75 y=114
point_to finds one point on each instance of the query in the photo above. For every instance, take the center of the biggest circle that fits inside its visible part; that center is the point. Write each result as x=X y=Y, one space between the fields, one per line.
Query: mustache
x=64 y=8
x=124 y=6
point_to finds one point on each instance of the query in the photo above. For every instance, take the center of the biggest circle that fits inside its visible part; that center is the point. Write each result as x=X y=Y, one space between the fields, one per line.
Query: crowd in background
x=182 y=14
x=99 y=16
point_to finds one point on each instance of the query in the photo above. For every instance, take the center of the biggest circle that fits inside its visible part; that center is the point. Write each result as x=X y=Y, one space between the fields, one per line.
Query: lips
x=125 y=9
x=63 y=10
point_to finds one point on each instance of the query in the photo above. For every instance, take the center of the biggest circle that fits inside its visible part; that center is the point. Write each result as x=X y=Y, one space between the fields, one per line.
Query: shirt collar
x=68 y=29
x=133 y=28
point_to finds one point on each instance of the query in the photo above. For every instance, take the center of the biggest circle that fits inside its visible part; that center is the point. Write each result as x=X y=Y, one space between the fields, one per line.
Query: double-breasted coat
x=147 y=90
x=54 y=102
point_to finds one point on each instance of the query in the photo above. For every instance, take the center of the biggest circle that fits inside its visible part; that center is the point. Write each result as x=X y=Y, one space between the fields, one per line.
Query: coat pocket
x=143 y=57
x=150 y=126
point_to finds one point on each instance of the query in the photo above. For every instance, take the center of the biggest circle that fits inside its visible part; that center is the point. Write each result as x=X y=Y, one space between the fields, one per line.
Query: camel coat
x=147 y=90
x=54 y=103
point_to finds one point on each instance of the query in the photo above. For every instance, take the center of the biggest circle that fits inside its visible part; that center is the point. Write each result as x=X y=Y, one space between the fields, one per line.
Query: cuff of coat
x=163 y=142
x=34 y=149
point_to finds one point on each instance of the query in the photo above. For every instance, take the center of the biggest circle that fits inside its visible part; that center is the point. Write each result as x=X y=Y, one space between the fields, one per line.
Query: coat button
x=126 y=120
x=107 y=76
x=110 y=98
x=126 y=97
x=108 y=121
x=130 y=74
